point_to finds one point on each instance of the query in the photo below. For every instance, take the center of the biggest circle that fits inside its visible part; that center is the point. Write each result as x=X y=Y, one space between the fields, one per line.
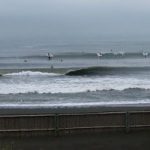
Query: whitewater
x=38 y=82
x=75 y=77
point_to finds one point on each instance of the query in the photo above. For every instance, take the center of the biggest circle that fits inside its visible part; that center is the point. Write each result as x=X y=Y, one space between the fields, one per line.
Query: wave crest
x=31 y=73
x=105 y=70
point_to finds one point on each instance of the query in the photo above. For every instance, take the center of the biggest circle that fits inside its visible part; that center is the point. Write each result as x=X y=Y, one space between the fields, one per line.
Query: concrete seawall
x=76 y=123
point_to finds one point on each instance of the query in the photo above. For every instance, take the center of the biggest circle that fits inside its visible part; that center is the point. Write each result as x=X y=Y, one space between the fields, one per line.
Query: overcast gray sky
x=73 y=19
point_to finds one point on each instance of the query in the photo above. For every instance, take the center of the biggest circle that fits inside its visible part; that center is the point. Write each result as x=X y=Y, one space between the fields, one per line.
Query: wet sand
x=12 y=110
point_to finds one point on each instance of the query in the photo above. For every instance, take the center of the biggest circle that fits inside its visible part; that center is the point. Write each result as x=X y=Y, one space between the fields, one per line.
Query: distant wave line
x=106 y=55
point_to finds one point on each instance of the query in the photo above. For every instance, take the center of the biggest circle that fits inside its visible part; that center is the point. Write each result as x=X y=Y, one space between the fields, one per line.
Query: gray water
x=121 y=75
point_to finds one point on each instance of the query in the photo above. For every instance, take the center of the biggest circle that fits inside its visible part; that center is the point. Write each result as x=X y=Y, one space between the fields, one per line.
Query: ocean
x=79 y=74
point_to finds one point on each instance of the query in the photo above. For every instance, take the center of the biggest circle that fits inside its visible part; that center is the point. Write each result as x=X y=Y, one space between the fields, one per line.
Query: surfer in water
x=99 y=55
x=145 y=54
x=50 y=56
x=52 y=67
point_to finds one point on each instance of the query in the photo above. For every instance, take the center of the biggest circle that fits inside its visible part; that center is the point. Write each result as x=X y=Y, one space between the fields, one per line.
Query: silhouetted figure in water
x=145 y=54
x=50 y=56
x=52 y=67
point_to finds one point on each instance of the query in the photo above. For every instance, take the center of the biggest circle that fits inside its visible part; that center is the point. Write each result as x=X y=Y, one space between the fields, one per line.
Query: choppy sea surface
x=76 y=75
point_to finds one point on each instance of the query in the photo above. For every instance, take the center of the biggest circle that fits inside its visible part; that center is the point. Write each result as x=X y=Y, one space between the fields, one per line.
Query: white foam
x=70 y=84
x=31 y=73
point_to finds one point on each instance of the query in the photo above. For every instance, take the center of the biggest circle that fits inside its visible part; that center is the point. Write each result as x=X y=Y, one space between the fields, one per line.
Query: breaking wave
x=66 y=84
x=105 y=70
x=31 y=73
